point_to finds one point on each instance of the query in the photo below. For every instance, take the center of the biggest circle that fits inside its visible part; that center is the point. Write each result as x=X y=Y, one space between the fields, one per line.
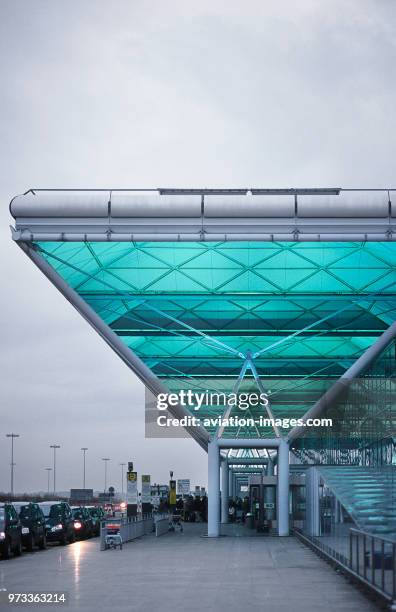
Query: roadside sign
x=172 y=492
x=132 y=492
x=155 y=500
x=183 y=486
x=83 y=496
x=146 y=489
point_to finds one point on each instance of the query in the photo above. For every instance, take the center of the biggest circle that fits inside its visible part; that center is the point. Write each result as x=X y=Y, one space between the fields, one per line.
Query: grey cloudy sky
x=146 y=93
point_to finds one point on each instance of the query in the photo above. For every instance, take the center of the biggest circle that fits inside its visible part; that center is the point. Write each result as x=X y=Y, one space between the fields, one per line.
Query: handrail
x=371 y=561
x=360 y=531
x=366 y=561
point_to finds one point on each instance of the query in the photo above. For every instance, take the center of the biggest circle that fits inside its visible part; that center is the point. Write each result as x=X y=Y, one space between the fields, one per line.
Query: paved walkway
x=187 y=573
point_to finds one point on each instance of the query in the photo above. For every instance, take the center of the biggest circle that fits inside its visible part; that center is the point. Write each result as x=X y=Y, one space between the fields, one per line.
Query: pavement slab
x=186 y=572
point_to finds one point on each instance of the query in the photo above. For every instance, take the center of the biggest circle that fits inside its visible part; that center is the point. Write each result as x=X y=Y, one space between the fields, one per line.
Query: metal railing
x=369 y=559
x=134 y=527
x=161 y=524
x=373 y=559
x=128 y=528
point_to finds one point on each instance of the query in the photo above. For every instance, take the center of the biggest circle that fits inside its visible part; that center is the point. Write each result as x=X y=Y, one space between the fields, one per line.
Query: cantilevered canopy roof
x=295 y=284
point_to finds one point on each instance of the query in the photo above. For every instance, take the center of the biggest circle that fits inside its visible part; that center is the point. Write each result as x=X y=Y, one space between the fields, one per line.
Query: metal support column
x=230 y=483
x=270 y=493
x=224 y=491
x=213 y=489
x=234 y=486
x=283 y=489
x=337 y=511
x=312 y=522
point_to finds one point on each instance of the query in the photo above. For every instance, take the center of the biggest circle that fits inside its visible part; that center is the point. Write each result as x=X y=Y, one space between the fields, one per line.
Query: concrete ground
x=185 y=572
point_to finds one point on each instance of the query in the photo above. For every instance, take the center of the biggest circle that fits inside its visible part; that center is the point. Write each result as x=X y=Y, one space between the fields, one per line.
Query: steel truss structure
x=282 y=291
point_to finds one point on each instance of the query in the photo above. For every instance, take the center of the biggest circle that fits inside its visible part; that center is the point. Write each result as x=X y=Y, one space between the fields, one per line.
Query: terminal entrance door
x=262 y=507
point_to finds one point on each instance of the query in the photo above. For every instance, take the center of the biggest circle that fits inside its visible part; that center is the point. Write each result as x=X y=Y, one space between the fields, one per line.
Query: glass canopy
x=193 y=312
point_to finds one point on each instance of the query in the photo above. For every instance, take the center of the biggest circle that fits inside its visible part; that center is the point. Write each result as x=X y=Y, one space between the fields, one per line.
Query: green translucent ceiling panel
x=192 y=311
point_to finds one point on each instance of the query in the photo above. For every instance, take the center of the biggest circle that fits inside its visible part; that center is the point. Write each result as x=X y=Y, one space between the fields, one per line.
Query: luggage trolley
x=113 y=537
x=175 y=521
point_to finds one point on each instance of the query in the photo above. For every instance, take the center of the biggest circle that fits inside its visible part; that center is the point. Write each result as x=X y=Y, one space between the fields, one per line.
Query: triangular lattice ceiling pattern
x=192 y=311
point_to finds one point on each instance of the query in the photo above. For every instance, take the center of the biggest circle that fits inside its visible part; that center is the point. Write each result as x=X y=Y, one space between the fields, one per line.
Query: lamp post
x=54 y=446
x=105 y=459
x=84 y=450
x=12 y=436
x=48 y=470
x=122 y=479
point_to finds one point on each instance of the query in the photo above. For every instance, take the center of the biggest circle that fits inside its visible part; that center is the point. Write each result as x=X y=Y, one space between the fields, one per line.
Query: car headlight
x=25 y=529
x=57 y=527
x=2 y=535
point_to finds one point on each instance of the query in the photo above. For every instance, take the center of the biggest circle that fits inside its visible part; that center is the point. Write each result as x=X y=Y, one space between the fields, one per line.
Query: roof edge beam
x=246 y=461
x=57 y=233
x=247 y=442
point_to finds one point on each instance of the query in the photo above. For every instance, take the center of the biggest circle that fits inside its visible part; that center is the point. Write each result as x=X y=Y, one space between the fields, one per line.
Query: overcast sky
x=163 y=93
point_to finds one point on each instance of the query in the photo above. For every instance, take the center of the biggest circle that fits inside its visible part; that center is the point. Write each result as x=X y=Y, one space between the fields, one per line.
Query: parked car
x=97 y=515
x=59 y=523
x=33 y=524
x=10 y=531
x=83 y=523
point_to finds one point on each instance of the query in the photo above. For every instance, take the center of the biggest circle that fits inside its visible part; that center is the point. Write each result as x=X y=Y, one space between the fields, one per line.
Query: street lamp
x=122 y=479
x=49 y=470
x=84 y=450
x=105 y=459
x=54 y=446
x=12 y=436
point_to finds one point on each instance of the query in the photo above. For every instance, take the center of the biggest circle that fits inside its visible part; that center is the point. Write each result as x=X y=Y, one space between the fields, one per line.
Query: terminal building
x=286 y=292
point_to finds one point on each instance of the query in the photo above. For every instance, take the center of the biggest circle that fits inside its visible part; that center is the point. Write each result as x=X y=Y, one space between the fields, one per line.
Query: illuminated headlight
x=77 y=525
x=2 y=535
x=25 y=529
x=57 y=527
